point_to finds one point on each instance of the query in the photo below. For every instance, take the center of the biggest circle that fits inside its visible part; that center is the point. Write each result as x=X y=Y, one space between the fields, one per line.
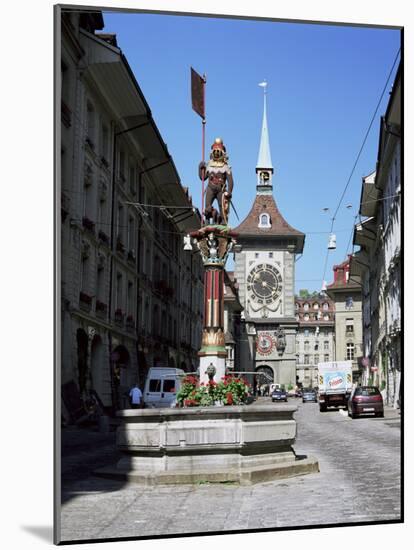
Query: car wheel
x=380 y=414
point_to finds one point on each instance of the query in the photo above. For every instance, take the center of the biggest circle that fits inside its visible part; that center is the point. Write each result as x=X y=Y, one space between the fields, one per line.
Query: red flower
x=229 y=396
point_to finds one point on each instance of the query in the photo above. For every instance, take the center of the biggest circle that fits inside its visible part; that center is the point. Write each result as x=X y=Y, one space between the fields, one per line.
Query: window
x=306 y=332
x=316 y=346
x=105 y=142
x=349 y=302
x=155 y=385
x=131 y=234
x=306 y=317
x=306 y=307
x=264 y=220
x=326 y=345
x=315 y=306
x=119 y=291
x=306 y=360
x=85 y=273
x=306 y=345
x=349 y=326
x=100 y=284
x=316 y=359
x=90 y=115
x=130 y=298
x=326 y=357
x=326 y=317
x=350 y=351
x=120 y=222
x=296 y=305
x=325 y=306
x=169 y=386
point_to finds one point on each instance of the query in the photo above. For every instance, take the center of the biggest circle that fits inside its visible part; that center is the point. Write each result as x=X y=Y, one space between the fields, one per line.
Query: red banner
x=197 y=93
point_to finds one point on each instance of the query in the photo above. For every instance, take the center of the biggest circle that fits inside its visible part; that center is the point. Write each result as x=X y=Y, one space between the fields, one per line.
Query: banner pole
x=203 y=124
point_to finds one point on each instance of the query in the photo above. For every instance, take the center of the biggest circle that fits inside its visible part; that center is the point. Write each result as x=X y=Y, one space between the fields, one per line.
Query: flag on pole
x=197 y=93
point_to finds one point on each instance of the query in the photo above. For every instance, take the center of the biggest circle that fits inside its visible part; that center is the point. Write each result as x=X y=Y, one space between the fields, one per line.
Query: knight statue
x=220 y=183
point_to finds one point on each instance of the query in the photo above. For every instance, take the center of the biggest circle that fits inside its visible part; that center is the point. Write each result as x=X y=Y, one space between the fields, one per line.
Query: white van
x=161 y=387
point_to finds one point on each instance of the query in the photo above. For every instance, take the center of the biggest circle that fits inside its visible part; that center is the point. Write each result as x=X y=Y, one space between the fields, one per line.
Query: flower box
x=101 y=307
x=119 y=246
x=66 y=114
x=88 y=224
x=89 y=142
x=119 y=316
x=85 y=298
x=103 y=237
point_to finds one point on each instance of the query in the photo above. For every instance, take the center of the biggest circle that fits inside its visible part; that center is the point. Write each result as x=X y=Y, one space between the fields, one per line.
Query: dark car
x=279 y=395
x=365 y=400
x=309 y=395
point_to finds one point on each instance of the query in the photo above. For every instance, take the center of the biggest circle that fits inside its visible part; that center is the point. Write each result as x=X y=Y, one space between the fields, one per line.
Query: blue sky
x=324 y=83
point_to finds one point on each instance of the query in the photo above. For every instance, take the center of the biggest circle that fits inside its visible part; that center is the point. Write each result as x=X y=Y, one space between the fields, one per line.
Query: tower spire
x=264 y=167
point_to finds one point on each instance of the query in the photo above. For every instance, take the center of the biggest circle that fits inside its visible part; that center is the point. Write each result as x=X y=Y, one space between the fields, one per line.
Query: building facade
x=131 y=297
x=378 y=260
x=346 y=294
x=315 y=337
x=265 y=271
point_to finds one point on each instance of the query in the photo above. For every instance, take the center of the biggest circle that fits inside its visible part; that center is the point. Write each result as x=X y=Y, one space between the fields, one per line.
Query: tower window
x=264 y=220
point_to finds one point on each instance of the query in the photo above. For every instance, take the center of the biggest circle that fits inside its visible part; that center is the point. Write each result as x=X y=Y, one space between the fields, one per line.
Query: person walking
x=136 y=397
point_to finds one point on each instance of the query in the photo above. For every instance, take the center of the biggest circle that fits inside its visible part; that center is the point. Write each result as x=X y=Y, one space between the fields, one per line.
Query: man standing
x=136 y=397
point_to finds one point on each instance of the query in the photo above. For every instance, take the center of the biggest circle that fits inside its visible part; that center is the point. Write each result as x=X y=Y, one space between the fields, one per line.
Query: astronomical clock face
x=264 y=284
x=265 y=343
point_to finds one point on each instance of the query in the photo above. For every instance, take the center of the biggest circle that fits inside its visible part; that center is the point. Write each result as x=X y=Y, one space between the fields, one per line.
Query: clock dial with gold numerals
x=264 y=284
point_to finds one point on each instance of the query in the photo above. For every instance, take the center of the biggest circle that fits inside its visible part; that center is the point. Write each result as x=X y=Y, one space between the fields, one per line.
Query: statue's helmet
x=218 y=144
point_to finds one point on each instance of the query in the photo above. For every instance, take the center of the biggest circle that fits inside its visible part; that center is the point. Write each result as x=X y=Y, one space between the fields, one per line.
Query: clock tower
x=265 y=271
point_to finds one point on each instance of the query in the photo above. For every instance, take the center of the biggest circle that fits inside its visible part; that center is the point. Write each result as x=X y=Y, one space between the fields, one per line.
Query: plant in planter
x=229 y=391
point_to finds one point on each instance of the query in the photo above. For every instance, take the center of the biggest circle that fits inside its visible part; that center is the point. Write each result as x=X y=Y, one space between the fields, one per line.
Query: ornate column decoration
x=215 y=243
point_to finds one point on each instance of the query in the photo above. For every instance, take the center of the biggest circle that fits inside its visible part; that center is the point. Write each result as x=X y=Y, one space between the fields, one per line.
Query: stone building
x=232 y=319
x=346 y=294
x=265 y=271
x=378 y=260
x=315 y=338
x=131 y=298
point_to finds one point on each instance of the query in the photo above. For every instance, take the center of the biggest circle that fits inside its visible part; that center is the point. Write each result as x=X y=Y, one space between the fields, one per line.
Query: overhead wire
x=358 y=157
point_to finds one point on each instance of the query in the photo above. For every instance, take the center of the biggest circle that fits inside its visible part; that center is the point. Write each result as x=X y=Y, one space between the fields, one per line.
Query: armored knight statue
x=220 y=183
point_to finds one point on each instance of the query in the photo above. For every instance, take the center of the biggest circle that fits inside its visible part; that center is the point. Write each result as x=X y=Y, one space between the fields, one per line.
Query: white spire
x=264 y=160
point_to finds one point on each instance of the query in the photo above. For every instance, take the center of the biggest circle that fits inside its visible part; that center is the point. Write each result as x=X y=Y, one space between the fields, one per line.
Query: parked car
x=365 y=400
x=279 y=395
x=298 y=392
x=309 y=395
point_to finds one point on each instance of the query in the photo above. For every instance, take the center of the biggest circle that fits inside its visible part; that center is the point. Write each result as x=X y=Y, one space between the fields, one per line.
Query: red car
x=365 y=400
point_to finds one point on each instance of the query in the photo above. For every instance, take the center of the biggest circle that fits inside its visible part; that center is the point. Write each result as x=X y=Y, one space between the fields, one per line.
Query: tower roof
x=279 y=227
x=264 y=160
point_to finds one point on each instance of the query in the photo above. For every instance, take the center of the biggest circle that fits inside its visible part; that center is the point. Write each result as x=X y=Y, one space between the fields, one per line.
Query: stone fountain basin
x=243 y=444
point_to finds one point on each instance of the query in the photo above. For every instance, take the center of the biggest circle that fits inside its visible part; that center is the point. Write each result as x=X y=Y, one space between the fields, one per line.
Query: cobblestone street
x=359 y=481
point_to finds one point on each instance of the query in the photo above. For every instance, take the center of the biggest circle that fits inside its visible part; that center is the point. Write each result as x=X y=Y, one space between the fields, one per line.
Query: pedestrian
x=136 y=397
